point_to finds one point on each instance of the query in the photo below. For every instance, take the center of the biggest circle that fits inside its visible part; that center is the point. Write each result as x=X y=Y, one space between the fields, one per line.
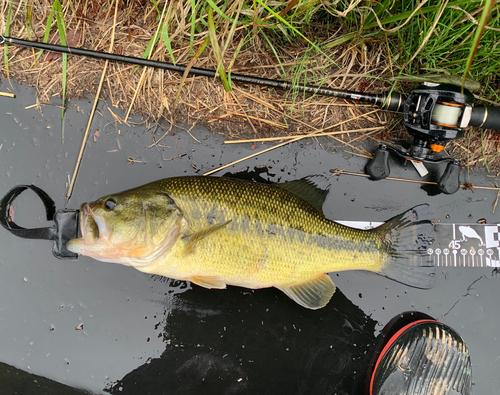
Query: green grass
x=57 y=12
x=485 y=16
x=460 y=40
x=61 y=29
x=464 y=41
x=5 y=46
x=457 y=37
x=161 y=31
x=217 y=51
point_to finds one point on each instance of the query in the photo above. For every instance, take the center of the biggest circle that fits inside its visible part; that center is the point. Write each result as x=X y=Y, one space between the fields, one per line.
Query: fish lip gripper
x=65 y=225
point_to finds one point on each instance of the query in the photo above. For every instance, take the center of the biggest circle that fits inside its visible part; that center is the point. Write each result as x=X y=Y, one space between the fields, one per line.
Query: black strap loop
x=65 y=225
x=11 y=226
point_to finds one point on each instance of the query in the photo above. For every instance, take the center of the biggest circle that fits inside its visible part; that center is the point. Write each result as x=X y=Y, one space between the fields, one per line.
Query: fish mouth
x=93 y=227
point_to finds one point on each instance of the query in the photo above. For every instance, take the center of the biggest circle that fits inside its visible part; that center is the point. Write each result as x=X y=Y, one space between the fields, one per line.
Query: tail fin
x=406 y=239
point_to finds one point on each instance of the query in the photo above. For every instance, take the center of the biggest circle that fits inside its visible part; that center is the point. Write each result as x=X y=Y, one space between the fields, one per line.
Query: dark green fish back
x=223 y=198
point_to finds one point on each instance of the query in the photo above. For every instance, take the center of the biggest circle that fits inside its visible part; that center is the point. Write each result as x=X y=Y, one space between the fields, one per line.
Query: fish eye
x=110 y=204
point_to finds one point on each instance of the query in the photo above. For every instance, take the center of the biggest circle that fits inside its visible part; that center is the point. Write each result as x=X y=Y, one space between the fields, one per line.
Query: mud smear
x=134 y=327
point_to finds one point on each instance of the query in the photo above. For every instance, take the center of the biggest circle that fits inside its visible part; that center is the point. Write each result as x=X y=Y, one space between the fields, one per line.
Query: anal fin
x=210 y=282
x=312 y=294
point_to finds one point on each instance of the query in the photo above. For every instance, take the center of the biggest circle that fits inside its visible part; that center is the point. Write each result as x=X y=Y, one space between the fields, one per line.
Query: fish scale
x=235 y=232
x=295 y=245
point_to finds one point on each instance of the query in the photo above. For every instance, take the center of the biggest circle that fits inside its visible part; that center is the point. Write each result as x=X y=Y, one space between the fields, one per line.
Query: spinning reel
x=435 y=114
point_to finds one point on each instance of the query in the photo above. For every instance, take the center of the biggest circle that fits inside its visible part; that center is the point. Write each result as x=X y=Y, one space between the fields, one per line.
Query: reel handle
x=487 y=117
x=378 y=168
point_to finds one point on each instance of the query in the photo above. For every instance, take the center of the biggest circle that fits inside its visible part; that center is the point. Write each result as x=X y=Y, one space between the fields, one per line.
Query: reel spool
x=433 y=114
x=438 y=112
x=447 y=114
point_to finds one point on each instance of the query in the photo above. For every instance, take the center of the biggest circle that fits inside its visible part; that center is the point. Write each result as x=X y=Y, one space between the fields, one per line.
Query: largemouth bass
x=219 y=231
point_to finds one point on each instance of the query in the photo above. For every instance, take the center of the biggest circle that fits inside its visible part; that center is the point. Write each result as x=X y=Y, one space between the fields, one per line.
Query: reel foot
x=449 y=183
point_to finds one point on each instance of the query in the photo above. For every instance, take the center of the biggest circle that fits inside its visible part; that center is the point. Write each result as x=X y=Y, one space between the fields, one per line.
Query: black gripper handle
x=450 y=181
x=378 y=168
x=487 y=117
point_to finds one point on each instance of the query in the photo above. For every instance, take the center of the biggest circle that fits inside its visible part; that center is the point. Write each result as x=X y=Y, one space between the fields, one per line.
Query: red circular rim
x=391 y=341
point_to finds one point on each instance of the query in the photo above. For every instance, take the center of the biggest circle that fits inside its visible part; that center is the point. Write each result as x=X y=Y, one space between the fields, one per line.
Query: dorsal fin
x=312 y=189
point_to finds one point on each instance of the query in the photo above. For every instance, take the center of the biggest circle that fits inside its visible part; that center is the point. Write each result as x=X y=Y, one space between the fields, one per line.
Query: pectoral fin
x=210 y=282
x=312 y=294
x=194 y=238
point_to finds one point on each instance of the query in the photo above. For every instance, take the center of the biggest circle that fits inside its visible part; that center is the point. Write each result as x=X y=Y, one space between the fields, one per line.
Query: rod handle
x=391 y=101
x=487 y=117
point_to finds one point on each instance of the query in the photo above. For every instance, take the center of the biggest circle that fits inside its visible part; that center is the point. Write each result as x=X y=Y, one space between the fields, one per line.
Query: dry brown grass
x=246 y=111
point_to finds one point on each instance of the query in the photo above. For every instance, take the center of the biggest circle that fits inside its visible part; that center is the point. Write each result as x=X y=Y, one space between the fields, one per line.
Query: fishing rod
x=390 y=102
x=433 y=114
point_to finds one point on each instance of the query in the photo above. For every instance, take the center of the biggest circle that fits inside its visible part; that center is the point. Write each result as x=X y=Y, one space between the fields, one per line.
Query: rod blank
x=391 y=102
